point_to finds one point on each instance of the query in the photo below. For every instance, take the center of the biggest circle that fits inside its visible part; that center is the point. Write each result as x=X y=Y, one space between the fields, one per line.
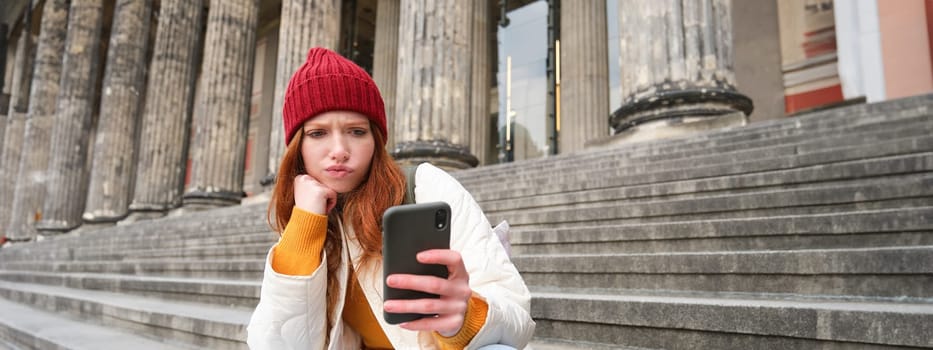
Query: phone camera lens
x=440 y=219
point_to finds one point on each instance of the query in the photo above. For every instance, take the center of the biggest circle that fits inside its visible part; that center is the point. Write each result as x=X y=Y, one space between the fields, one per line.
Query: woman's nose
x=339 y=151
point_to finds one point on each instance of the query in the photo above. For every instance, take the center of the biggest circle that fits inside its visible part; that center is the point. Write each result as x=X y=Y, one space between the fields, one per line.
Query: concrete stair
x=38 y=329
x=807 y=233
x=176 y=282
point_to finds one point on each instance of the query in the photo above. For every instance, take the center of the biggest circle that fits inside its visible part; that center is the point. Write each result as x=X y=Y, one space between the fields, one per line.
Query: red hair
x=362 y=208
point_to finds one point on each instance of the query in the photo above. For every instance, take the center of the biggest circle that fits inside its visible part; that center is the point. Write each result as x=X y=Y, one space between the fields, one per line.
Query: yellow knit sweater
x=298 y=253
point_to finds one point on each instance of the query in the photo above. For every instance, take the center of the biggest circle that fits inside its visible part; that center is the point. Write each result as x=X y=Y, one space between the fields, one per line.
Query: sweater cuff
x=473 y=321
x=298 y=252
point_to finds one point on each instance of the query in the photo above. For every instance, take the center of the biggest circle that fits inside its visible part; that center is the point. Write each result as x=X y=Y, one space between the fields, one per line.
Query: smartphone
x=406 y=231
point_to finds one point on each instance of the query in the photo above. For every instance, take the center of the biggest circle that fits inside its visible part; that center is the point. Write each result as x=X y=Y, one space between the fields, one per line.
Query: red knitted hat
x=329 y=82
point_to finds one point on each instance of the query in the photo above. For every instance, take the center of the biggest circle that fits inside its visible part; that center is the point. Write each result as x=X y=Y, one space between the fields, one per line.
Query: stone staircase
x=186 y=282
x=811 y=232
x=814 y=232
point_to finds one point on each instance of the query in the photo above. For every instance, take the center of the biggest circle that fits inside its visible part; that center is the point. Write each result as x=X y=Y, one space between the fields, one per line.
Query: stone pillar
x=385 y=59
x=4 y=28
x=31 y=175
x=433 y=92
x=584 y=74
x=222 y=112
x=12 y=145
x=677 y=69
x=304 y=24
x=163 y=139
x=66 y=192
x=480 y=81
x=114 y=161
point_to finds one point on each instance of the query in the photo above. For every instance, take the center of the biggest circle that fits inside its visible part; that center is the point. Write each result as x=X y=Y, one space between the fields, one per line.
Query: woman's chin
x=340 y=187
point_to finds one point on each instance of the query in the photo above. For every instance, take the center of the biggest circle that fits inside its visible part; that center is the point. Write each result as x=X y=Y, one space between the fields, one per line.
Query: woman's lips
x=338 y=171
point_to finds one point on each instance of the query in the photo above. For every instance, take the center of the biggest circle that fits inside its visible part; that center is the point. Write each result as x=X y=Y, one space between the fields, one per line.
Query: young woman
x=322 y=286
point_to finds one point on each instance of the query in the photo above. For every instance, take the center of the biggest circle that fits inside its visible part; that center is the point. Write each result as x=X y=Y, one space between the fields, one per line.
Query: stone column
x=480 y=81
x=114 y=161
x=304 y=24
x=385 y=59
x=222 y=112
x=66 y=192
x=31 y=175
x=433 y=92
x=584 y=74
x=677 y=69
x=163 y=139
x=12 y=145
x=4 y=28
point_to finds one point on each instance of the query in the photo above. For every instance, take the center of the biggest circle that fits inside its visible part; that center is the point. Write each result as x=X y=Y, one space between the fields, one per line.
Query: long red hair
x=361 y=208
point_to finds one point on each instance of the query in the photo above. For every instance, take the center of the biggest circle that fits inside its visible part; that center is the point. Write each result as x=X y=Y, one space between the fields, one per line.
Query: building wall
x=758 y=57
x=905 y=47
x=260 y=114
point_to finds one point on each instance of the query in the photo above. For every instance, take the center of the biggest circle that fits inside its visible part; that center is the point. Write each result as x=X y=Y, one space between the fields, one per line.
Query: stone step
x=886 y=272
x=7 y=345
x=232 y=269
x=247 y=245
x=37 y=329
x=868 y=194
x=200 y=325
x=806 y=139
x=159 y=246
x=558 y=344
x=860 y=118
x=559 y=180
x=103 y=245
x=678 y=161
x=707 y=186
x=246 y=251
x=873 y=228
x=209 y=291
x=716 y=321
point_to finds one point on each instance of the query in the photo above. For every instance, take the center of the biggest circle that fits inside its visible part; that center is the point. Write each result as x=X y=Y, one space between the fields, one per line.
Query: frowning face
x=337 y=149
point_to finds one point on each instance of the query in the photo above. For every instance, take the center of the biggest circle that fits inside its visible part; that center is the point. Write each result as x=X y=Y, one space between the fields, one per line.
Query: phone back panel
x=406 y=231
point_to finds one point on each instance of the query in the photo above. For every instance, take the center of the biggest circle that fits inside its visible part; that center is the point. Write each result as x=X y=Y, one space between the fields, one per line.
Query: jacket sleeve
x=291 y=312
x=492 y=274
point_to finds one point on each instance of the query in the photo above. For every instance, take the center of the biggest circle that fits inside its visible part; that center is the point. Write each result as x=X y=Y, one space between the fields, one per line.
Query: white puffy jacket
x=291 y=311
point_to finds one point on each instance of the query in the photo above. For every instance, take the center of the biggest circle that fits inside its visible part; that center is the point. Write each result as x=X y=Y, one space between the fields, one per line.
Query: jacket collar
x=370 y=279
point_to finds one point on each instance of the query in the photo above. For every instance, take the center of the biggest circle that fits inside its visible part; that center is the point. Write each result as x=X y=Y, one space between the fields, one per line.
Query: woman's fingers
x=447 y=325
x=312 y=196
x=450 y=314
x=429 y=306
x=446 y=257
x=430 y=284
x=454 y=294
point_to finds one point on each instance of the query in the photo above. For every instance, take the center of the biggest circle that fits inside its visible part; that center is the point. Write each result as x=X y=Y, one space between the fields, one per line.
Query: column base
x=101 y=217
x=257 y=198
x=690 y=102
x=55 y=227
x=440 y=153
x=198 y=200
x=137 y=207
x=11 y=241
x=670 y=128
x=136 y=216
x=23 y=233
x=267 y=181
x=88 y=227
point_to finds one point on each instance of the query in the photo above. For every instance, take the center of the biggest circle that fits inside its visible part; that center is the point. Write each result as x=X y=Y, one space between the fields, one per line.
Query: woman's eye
x=358 y=132
x=315 y=133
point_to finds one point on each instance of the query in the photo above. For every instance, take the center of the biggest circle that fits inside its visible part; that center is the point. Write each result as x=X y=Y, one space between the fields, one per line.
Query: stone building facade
x=117 y=110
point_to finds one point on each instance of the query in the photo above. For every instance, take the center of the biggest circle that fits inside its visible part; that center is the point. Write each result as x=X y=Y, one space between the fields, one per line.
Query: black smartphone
x=406 y=231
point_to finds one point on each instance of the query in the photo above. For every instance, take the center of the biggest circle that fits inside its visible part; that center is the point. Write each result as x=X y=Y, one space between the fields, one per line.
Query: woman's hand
x=454 y=294
x=312 y=196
